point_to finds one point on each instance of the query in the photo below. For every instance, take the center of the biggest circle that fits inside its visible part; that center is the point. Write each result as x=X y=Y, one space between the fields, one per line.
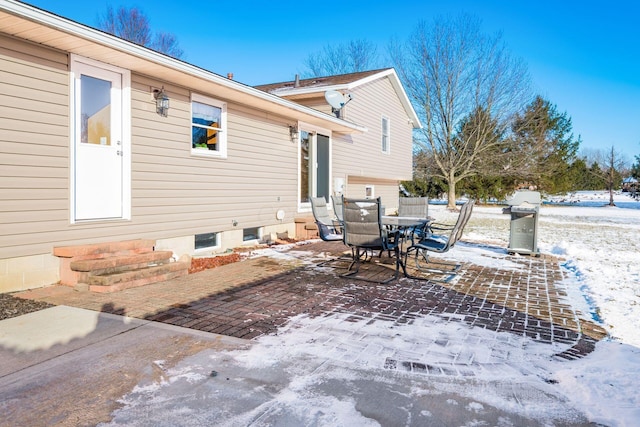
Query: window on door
x=315 y=166
x=95 y=110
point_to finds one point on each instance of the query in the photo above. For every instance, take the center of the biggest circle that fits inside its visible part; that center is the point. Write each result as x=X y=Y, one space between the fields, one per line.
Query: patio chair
x=329 y=228
x=337 y=206
x=447 y=237
x=416 y=207
x=364 y=233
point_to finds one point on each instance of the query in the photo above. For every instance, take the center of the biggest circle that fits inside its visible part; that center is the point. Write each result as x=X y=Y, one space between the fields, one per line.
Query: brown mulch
x=200 y=264
x=205 y=263
x=11 y=306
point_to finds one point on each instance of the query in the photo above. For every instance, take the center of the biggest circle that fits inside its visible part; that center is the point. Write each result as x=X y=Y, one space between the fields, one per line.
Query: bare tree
x=454 y=75
x=612 y=165
x=129 y=24
x=133 y=25
x=167 y=44
x=354 y=56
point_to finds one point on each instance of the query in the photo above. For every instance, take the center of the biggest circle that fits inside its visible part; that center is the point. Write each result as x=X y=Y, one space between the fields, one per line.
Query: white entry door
x=98 y=143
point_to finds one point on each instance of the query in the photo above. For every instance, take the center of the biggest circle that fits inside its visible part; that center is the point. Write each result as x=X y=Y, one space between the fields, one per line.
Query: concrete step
x=117 y=263
x=100 y=250
x=129 y=279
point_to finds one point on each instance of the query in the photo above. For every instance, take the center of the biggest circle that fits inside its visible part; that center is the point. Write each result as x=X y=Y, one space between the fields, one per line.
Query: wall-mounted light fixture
x=294 y=133
x=162 y=101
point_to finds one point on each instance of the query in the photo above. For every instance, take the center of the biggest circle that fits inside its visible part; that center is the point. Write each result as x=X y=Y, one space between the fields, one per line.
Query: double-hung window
x=208 y=126
x=386 y=139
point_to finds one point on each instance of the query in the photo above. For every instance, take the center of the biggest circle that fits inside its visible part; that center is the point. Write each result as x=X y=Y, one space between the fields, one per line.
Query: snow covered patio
x=524 y=296
x=506 y=316
x=517 y=340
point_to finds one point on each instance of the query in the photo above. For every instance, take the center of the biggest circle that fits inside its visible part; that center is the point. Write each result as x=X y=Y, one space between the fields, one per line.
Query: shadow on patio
x=522 y=295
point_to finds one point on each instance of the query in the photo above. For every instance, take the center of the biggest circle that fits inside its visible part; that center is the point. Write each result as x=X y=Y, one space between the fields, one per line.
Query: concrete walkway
x=78 y=376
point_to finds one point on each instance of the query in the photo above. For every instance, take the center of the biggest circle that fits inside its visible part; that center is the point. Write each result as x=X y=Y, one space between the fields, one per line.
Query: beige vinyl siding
x=195 y=194
x=387 y=190
x=372 y=101
x=34 y=147
x=174 y=193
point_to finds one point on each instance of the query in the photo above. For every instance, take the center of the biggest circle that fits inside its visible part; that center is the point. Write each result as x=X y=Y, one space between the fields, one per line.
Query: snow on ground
x=602 y=248
x=325 y=371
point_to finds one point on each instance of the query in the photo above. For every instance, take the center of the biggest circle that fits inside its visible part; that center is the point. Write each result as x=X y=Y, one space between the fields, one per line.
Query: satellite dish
x=336 y=100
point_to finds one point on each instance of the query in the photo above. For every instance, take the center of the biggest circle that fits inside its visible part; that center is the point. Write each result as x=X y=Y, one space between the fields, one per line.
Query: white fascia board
x=51 y=20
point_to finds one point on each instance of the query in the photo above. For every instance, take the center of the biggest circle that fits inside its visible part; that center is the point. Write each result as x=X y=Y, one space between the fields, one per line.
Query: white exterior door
x=98 y=143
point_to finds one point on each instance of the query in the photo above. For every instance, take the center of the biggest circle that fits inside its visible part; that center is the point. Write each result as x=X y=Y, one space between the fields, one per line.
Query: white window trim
x=303 y=126
x=369 y=191
x=217 y=246
x=388 y=135
x=253 y=241
x=222 y=152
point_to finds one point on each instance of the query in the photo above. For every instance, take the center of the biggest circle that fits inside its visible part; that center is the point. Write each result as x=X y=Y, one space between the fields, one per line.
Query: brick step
x=306 y=227
x=113 y=264
x=100 y=250
x=133 y=278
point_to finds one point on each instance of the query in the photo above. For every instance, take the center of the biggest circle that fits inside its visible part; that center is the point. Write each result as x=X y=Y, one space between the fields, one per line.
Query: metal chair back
x=363 y=224
x=417 y=207
x=431 y=242
x=337 y=206
x=327 y=229
x=461 y=223
x=364 y=233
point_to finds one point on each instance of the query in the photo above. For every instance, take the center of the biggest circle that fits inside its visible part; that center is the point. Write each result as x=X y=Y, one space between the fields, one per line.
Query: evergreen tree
x=544 y=146
x=635 y=169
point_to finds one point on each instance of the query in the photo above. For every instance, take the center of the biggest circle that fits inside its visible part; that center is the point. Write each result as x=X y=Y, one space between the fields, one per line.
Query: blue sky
x=584 y=57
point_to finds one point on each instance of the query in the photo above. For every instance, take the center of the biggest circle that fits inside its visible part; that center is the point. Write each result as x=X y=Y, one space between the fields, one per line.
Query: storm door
x=98 y=143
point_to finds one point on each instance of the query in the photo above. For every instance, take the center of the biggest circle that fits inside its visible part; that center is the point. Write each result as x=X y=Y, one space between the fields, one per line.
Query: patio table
x=406 y=227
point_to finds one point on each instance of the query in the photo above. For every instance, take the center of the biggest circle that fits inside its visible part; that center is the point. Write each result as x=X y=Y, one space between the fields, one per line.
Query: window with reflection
x=315 y=162
x=208 y=126
x=95 y=114
x=206 y=240
x=305 y=165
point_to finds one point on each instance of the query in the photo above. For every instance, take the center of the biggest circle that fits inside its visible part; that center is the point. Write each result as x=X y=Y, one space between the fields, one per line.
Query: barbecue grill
x=524 y=208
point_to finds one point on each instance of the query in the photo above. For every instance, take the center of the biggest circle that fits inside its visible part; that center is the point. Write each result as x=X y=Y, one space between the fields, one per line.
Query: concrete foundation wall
x=27 y=272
